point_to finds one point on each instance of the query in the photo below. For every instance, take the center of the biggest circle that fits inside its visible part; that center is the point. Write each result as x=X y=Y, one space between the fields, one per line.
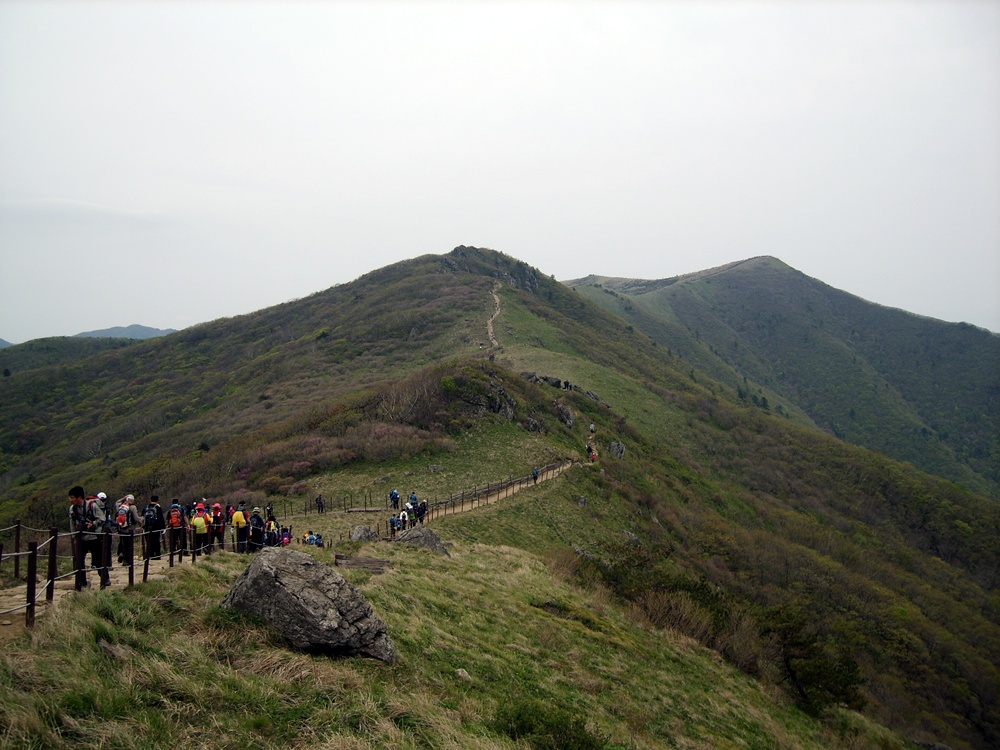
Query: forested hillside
x=824 y=570
x=917 y=389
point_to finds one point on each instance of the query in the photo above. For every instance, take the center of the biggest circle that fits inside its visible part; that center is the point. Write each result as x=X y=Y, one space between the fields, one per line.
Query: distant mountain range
x=133 y=331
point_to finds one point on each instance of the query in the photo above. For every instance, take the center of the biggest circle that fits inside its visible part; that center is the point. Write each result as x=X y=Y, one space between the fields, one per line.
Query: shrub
x=546 y=727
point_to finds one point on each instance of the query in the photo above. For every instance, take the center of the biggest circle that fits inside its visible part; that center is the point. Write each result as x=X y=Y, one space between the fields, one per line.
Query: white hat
x=102 y=496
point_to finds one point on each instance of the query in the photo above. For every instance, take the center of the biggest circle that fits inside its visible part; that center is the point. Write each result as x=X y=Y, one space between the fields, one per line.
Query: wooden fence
x=176 y=545
x=461 y=501
x=41 y=547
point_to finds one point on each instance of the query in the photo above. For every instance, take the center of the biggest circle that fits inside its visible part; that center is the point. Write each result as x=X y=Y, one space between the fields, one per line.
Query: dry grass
x=197 y=679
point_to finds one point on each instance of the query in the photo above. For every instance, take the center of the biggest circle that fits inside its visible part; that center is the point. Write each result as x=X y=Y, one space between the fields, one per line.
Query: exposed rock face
x=364 y=534
x=617 y=449
x=311 y=605
x=564 y=414
x=421 y=536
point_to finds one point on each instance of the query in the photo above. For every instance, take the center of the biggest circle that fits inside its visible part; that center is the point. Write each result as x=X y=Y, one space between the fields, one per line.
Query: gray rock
x=117 y=651
x=463 y=675
x=311 y=605
x=421 y=536
x=364 y=534
x=565 y=415
x=617 y=449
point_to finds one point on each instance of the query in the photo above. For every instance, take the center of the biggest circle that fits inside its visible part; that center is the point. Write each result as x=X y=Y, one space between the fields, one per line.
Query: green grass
x=190 y=674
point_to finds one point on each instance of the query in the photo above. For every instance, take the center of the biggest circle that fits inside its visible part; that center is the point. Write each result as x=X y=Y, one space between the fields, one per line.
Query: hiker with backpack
x=127 y=520
x=271 y=538
x=394 y=499
x=256 y=531
x=217 y=528
x=153 y=522
x=240 y=524
x=86 y=520
x=199 y=525
x=177 y=528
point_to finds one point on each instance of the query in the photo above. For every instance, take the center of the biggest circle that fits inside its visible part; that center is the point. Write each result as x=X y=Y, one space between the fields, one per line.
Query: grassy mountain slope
x=822 y=570
x=918 y=389
x=576 y=665
x=38 y=353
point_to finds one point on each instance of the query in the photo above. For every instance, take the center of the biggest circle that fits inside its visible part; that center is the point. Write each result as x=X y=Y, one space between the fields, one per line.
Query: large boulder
x=311 y=605
x=421 y=536
x=617 y=449
x=364 y=534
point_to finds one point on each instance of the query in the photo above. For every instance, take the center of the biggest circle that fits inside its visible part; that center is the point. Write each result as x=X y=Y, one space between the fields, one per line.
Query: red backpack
x=124 y=519
x=175 y=519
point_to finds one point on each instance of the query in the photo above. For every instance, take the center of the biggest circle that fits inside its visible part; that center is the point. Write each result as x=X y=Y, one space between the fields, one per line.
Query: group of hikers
x=413 y=512
x=197 y=527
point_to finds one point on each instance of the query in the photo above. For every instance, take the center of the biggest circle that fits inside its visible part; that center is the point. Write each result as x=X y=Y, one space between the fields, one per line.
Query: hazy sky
x=168 y=163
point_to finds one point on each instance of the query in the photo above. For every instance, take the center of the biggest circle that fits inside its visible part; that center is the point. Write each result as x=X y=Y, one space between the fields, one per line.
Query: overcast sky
x=176 y=162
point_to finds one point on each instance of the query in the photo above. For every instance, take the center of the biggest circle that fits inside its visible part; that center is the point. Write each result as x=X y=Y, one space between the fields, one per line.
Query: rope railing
x=469 y=499
x=178 y=543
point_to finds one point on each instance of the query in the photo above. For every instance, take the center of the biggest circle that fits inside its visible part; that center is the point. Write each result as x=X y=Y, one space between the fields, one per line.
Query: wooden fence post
x=53 y=564
x=78 y=558
x=17 y=548
x=29 y=613
x=130 y=555
x=105 y=553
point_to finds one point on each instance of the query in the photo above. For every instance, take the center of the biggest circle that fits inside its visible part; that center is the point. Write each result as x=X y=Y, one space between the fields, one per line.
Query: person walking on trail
x=271 y=538
x=404 y=520
x=394 y=499
x=86 y=520
x=256 y=531
x=153 y=524
x=127 y=520
x=199 y=525
x=176 y=529
x=320 y=505
x=217 y=528
x=534 y=476
x=240 y=523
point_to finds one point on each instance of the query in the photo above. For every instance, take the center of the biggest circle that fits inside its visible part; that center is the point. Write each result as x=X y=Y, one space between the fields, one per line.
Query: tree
x=819 y=674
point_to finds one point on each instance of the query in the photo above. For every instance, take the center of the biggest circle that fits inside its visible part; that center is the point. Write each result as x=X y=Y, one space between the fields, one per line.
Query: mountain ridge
x=132 y=331
x=772 y=332
x=750 y=520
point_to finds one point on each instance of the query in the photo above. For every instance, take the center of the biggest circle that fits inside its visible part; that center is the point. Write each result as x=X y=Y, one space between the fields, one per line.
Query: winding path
x=496 y=312
x=13 y=623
